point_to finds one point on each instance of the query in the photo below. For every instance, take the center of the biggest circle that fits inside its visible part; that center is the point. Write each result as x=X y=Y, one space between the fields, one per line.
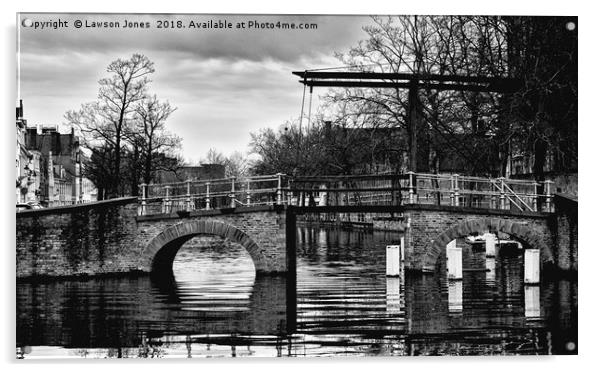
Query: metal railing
x=387 y=189
x=212 y=194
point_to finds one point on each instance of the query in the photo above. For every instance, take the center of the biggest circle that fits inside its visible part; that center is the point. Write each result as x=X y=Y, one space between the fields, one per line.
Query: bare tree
x=213 y=157
x=425 y=45
x=236 y=165
x=105 y=121
x=150 y=128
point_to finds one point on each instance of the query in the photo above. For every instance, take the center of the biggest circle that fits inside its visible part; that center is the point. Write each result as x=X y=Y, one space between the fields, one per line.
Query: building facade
x=49 y=166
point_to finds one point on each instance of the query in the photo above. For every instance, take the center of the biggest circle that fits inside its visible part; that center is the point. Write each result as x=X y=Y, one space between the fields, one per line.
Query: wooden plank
x=501 y=88
x=402 y=76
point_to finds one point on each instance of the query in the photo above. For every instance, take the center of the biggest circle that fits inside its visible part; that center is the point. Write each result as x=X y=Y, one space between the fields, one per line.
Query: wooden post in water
x=454 y=260
x=143 y=201
x=393 y=293
x=207 y=197
x=490 y=267
x=532 y=297
x=489 y=244
x=393 y=260
x=531 y=266
x=454 y=296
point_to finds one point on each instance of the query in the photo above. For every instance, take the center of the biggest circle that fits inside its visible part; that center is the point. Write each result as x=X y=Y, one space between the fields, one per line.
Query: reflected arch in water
x=163 y=248
x=271 y=309
x=519 y=231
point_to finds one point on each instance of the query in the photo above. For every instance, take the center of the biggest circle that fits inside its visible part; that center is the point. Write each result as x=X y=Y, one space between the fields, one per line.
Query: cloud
x=225 y=83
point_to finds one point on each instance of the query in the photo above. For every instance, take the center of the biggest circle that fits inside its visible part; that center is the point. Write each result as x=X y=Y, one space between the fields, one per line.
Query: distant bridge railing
x=356 y=190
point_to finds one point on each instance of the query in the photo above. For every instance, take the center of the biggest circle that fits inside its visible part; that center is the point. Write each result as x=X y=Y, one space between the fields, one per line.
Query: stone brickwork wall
x=389 y=224
x=261 y=232
x=108 y=237
x=87 y=239
x=566 y=231
x=432 y=227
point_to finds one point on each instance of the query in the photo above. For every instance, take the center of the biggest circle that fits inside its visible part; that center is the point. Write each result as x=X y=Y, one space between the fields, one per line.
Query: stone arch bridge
x=109 y=237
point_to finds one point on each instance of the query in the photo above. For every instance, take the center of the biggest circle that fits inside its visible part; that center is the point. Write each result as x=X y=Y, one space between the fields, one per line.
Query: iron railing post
x=248 y=192
x=411 y=183
x=548 y=190
x=452 y=188
x=502 y=194
x=279 y=189
x=208 y=197
x=143 y=201
x=167 y=201
x=535 y=184
x=456 y=190
x=233 y=194
x=188 y=196
x=492 y=203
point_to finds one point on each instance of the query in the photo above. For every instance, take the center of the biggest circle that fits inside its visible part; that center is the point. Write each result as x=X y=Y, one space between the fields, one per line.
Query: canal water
x=341 y=304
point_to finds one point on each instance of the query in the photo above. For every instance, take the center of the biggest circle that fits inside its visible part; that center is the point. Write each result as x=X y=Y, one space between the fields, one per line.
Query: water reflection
x=341 y=304
x=454 y=296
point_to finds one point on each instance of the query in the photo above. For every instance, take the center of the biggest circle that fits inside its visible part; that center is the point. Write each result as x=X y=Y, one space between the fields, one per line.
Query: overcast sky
x=225 y=83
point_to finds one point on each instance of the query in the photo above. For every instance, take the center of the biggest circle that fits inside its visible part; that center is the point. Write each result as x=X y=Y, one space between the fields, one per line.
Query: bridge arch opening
x=162 y=249
x=521 y=232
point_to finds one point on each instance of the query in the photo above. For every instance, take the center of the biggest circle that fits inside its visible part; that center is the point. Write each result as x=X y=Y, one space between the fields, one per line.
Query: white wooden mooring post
x=490 y=267
x=143 y=201
x=393 y=259
x=489 y=244
x=167 y=201
x=454 y=296
x=393 y=294
x=188 y=196
x=531 y=266
x=208 y=196
x=454 y=260
x=532 y=301
x=233 y=194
